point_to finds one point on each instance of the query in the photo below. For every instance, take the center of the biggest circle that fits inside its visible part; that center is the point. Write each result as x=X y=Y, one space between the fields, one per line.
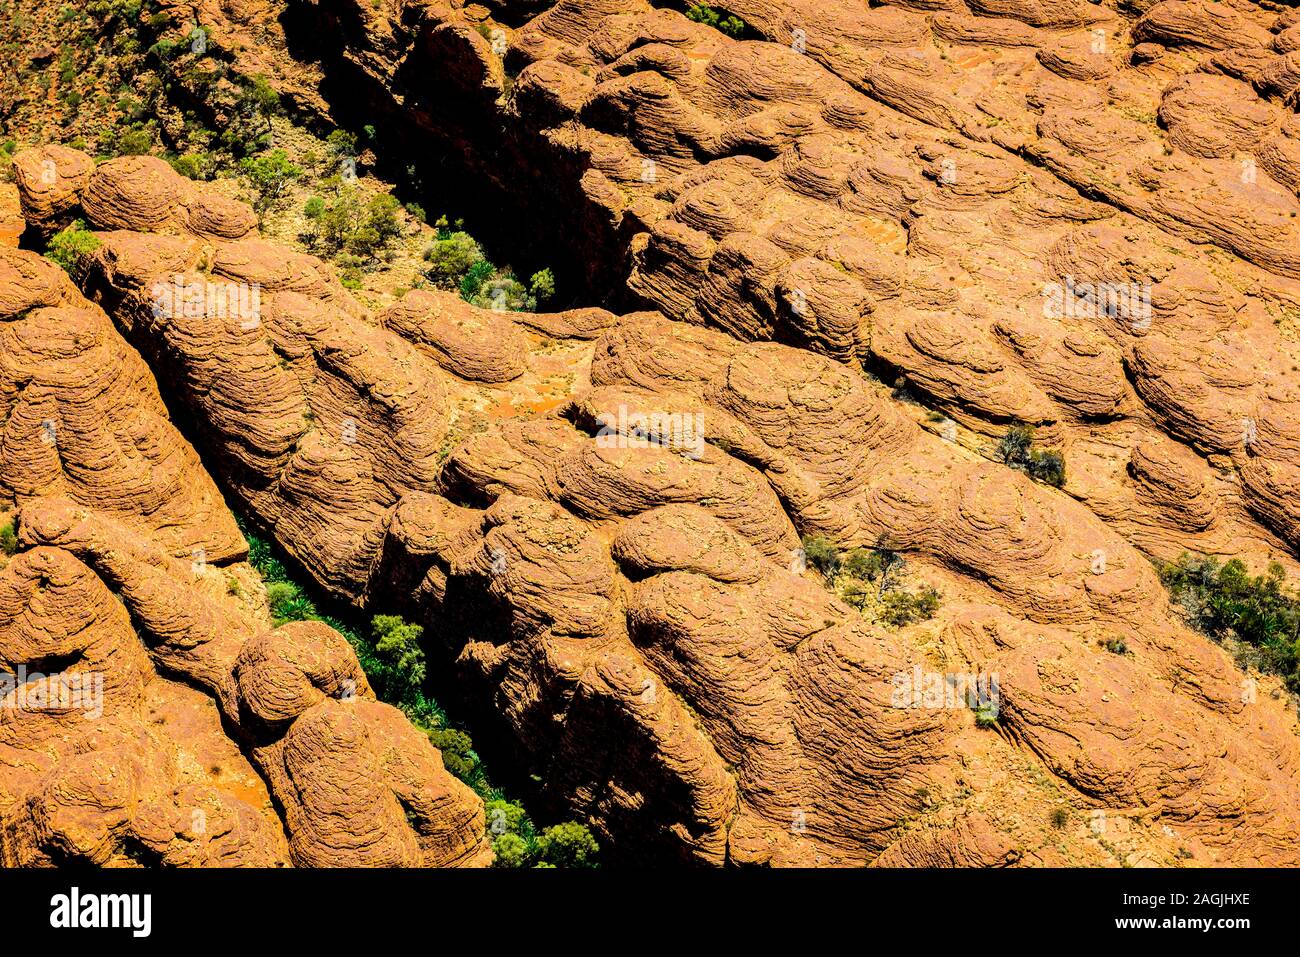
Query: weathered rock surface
x=1076 y=217
x=609 y=557
x=147 y=716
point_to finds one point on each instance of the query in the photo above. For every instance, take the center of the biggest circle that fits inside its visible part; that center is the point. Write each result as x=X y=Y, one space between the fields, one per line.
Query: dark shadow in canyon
x=451 y=145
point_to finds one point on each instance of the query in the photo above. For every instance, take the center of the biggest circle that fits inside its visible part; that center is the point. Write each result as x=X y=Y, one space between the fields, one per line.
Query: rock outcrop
x=147 y=715
x=1069 y=216
x=598 y=518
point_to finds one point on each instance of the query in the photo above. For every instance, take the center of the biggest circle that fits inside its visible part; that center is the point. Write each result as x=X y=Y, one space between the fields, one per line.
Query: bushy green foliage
x=120 y=11
x=542 y=285
x=471 y=284
x=517 y=843
x=68 y=246
x=504 y=293
x=269 y=174
x=822 y=554
x=8 y=539
x=1226 y=602
x=451 y=257
x=1016 y=450
x=721 y=20
x=261 y=556
x=1047 y=467
x=899 y=608
x=1013 y=447
x=194 y=165
x=136 y=140
x=397 y=646
x=872 y=564
x=7 y=150
x=871 y=580
x=349 y=223
x=259 y=96
x=278 y=593
x=456 y=261
x=341 y=144
x=567 y=845
x=248 y=128
x=165 y=50
x=511 y=850
x=457 y=751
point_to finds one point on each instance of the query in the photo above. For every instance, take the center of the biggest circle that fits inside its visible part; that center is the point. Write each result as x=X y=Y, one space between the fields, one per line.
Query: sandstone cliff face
x=148 y=716
x=633 y=613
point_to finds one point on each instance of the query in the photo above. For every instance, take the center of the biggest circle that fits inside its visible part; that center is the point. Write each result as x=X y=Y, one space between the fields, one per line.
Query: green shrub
x=1226 y=601
x=821 y=553
x=193 y=165
x=871 y=581
x=507 y=817
x=457 y=751
x=69 y=246
x=262 y=557
x=1015 y=449
x=260 y=96
x=474 y=279
x=1060 y=818
x=503 y=292
x=873 y=564
x=720 y=20
x=137 y=141
x=517 y=844
x=8 y=539
x=347 y=224
x=511 y=850
x=287 y=602
x=165 y=50
x=567 y=845
x=1046 y=467
x=342 y=143
x=124 y=12
x=900 y=608
x=457 y=261
x=397 y=645
x=248 y=124
x=451 y=257
x=269 y=174
x=542 y=285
